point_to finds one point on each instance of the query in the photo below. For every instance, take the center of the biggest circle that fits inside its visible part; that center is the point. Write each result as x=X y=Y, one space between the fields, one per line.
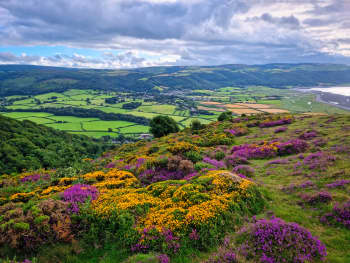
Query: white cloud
x=176 y=32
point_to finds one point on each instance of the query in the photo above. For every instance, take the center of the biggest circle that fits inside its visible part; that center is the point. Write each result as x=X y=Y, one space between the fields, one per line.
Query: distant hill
x=26 y=145
x=30 y=80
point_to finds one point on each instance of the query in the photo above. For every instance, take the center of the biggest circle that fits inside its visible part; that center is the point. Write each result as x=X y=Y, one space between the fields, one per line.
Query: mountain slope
x=32 y=80
x=263 y=188
x=26 y=145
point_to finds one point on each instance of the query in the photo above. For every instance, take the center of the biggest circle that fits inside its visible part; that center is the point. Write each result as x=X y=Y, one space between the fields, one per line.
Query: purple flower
x=110 y=165
x=308 y=135
x=340 y=215
x=292 y=147
x=275 y=123
x=159 y=174
x=339 y=183
x=319 y=160
x=194 y=234
x=217 y=164
x=280 y=129
x=277 y=241
x=321 y=197
x=35 y=178
x=163 y=258
x=78 y=194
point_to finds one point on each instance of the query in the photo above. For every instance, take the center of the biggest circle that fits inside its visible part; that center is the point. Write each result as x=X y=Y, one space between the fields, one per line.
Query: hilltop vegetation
x=33 y=80
x=25 y=145
x=263 y=188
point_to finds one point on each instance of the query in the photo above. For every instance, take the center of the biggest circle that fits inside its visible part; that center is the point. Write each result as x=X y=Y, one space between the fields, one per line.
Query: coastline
x=319 y=99
x=332 y=99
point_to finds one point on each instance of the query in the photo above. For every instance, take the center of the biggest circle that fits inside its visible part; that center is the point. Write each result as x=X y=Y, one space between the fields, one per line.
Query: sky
x=143 y=33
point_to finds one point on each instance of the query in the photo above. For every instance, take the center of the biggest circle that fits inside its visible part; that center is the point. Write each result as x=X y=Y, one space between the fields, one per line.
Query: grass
x=104 y=125
x=135 y=129
x=19 y=115
x=159 y=109
x=39 y=120
x=49 y=95
x=96 y=134
x=72 y=119
x=74 y=126
x=295 y=102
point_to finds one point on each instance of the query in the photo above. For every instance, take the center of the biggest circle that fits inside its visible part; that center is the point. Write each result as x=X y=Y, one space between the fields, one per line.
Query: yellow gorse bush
x=173 y=205
x=181 y=147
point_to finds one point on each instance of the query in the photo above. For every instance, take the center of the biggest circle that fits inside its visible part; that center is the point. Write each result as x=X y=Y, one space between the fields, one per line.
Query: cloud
x=135 y=33
x=107 y=60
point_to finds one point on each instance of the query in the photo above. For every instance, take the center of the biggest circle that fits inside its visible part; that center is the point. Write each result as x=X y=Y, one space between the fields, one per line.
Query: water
x=345 y=91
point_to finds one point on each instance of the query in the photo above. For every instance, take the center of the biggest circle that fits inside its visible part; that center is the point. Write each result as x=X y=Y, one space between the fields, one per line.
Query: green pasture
x=19 y=115
x=135 y=129
x=72 y=119
x=105 y=125
x=71 y=126
x=97 y=134
x=158 y=108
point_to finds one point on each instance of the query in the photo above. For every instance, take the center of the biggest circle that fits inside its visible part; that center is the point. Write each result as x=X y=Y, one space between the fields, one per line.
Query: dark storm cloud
x=178 y=31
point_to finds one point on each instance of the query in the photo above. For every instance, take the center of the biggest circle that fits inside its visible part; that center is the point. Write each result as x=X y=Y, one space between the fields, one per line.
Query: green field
x=105 y=125
x=92 y=99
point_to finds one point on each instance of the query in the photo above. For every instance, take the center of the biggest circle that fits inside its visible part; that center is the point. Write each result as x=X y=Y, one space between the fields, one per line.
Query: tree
x=196 y=125
x=163 y=125
x=227 y=115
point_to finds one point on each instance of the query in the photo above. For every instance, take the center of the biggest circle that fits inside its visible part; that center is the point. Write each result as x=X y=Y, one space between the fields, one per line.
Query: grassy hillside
x=25 y=145
x=33 y=80
x=264 y=188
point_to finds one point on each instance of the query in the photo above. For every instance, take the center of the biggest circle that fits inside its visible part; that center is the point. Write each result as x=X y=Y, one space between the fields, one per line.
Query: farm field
x=260 y=99
x=248 y=100
x=90 y=99
x=92 y=127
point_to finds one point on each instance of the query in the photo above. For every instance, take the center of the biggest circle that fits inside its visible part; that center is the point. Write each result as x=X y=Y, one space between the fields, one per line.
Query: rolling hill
x=263 y=188
x=33 y=80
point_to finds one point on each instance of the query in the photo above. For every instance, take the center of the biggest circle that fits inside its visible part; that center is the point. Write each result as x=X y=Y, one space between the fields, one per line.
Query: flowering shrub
x=232 y=160
x=212 y=139
x=280 y=129
x=163 y=258
x=79 y=194
x=237 y=131
x=308 y=135
x=223 y=256
x=157 y=175
x=164 y=240
x=339 y=183
x=321 y=197
x=182 y=147
x=35 y=177
x=254 y=151
x=217 y=164
x=245 y=170
x=340 y=215
x=266 y=124
x=291 y=147
x=319 y=160
x=180 y=206
x=275 y=240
